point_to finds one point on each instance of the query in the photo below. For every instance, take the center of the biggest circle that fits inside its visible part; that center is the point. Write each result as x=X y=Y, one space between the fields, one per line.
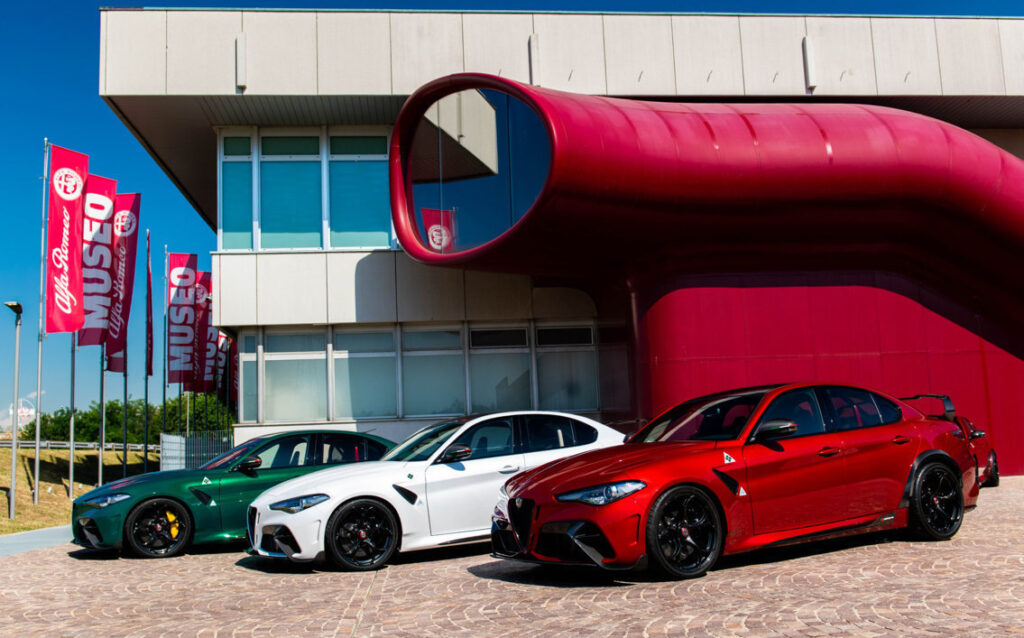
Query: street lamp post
x=16 y=309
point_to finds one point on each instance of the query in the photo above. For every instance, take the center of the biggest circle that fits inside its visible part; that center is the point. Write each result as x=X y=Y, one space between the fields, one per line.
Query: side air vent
x=407 y=494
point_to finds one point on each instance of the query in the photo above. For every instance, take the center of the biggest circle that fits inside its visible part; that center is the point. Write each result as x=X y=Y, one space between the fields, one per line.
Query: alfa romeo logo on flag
x=202 y=294
x=440 y=237
x=67 y=184
x=125 y=223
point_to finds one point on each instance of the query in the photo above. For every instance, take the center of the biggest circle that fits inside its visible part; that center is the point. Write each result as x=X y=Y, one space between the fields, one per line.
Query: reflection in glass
x=434 y=384
x=499 y=382
x=248 y=391
x=567 y=380
x=364 y=387
x=478 y=162
x=296 y=390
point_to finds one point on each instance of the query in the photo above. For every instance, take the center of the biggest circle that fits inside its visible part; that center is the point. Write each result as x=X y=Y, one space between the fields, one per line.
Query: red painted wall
x=697 y=340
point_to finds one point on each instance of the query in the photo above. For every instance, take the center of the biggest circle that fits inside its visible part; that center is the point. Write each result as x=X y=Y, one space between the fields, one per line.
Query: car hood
x=145 y=481
x=628 y=461
x=335 y=480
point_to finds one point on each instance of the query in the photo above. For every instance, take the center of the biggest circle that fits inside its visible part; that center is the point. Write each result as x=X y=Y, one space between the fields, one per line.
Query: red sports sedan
x=739 y=470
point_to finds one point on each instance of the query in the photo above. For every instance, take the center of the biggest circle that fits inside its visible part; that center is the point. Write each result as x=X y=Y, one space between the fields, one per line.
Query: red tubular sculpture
x=650 y=193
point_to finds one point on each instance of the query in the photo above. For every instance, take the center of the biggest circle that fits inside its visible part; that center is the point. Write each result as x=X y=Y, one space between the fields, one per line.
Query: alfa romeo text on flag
x=68 y=170
x=127 y=208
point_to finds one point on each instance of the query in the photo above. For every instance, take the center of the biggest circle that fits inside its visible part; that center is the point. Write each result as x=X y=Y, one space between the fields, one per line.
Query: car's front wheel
x=685 y=533
x=362 y=535
x=158 y=528
x=938 y=503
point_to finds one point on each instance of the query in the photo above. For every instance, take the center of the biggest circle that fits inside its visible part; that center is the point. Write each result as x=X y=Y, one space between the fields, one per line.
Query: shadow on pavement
x=276 y=565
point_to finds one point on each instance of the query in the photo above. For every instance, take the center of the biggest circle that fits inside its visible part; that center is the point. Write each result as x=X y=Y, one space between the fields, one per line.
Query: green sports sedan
x=157 y=514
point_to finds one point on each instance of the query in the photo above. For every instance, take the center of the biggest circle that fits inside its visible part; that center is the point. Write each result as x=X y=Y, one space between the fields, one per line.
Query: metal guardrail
x=79 y=445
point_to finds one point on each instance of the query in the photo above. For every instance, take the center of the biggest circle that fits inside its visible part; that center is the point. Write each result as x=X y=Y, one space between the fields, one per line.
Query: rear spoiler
x=947 y=403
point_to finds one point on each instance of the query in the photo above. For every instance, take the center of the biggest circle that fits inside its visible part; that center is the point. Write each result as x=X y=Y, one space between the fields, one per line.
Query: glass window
x=574 y=336
x=434 y=384
x=248 y=344
x=432 y=340
x=300 y=342
x=584 y=433
x=237 y=146
x=291 y=145
x=548 y=432
x=499 y=381
x=365 y=387
x=715 y=417
x=236 y=205
x=567 y=380
x=348 y=448
x=852 y=408
x=798 y=406
x=290 y=451
x=359 y=145
x=248 y=390
x=422 y=444
x=488 y=439
x=889 y=411
x=290 y=205
x=364 y=341
x=360 y=204
x=502 y=338
x=296 y=390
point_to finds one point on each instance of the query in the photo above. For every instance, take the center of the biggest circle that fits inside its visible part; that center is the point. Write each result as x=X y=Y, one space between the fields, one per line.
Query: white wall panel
x=361 y=287
x=234 y=283
x=707 y=55
x=292 y=288
x=136 y=53
x=496 y=296
x=353 y=53
x=498 y=44
x=906 y=56
x=424 y=47
x=280 y=52
x=773 y=55
x=843 y=58
x=571 y=52
x=201 y=52
x=429 y=293
x=1011 y=39
x=970 y=58
x=638 y=53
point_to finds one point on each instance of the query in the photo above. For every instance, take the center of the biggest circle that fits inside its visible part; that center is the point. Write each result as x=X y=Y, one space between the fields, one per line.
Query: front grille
x=278 y=539
x=250 y=526
x=89 y=532
x=520 y=514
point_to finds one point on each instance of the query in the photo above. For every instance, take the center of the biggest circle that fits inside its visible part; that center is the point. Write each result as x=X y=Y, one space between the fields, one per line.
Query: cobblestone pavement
x=860 y=586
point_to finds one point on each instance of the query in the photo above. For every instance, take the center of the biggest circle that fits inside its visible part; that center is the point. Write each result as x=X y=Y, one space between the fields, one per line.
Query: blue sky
x=49 y=53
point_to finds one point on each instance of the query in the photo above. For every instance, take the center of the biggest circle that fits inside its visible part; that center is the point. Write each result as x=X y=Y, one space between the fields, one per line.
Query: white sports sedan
x=439 y=487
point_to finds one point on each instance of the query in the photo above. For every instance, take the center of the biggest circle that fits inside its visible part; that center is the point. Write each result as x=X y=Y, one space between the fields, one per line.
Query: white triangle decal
x=728 y=459
x=742 y=492
x=213 y=503
x=206 y=481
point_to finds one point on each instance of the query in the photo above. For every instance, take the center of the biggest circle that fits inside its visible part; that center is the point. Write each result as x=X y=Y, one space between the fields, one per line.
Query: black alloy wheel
x=685 y=533
x=993 y=476
x=158 y=528
x=938 y=503
x=362 y=535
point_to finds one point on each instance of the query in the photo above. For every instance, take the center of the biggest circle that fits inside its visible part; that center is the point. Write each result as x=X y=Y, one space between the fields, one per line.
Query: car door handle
x=828 y=451
x=508 y=469
x=900 y=440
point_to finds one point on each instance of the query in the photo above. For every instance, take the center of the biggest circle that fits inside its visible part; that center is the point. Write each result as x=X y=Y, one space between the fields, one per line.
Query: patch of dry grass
x=54 y=506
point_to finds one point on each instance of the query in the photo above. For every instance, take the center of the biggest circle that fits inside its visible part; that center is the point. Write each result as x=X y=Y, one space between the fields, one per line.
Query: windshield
x=421 y=445
x=718 y=417
x=226 y=459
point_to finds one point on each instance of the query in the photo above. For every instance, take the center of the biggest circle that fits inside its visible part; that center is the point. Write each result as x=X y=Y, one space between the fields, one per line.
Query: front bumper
x=101 y=528
x=273 y=534
x=606 y=536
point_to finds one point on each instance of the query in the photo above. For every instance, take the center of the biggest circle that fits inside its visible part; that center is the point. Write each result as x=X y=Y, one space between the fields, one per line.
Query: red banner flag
x=97 y=259
x=201 y=326
x=210 y=360
x=181 y=313
x=233 y=362
x=223 y=350
x=126 y=240
x=68 y=170
x=149 y=309
x=440 y=227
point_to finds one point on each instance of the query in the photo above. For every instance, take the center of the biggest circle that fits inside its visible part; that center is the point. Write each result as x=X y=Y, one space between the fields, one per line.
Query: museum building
x=278 y=127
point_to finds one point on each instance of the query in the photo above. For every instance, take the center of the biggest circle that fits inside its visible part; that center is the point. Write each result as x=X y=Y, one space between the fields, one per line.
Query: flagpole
x=42 y=301
x=149 y=355
x=71 y=424
x=124 y=422
x=103 y=414
x=163 y=408
x=145 y=436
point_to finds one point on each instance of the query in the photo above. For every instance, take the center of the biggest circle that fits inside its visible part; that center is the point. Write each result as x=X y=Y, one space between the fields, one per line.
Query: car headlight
x=299 y=503
x=602 y=494
x=99 y=502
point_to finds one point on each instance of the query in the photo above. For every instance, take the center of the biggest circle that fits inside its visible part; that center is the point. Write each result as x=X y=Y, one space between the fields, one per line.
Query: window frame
x=537 y=350
x=813 y=391
x=394 y=353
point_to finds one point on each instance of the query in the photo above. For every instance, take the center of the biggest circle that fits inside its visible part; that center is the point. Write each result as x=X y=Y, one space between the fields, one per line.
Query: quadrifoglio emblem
x=67 y=184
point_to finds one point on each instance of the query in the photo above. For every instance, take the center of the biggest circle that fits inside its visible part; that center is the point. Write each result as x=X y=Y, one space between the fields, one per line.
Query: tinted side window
x=348 y=448
x=853 y=408
x=889 y=411
x=800 y=407
x=291 y=451
x=584 y=433
x=548 y=432
x=487 y=439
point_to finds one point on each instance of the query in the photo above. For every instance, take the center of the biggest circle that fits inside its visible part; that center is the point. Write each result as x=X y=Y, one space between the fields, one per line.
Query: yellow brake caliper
x=173 y=520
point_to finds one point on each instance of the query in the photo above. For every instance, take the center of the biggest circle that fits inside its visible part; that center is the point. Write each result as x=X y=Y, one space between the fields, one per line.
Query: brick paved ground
x=866 y=586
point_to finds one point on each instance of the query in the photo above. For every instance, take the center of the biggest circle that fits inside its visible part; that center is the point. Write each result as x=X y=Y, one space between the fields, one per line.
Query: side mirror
x=455 y=452
x=775 y=429
x=977 y=434
x=249 y=464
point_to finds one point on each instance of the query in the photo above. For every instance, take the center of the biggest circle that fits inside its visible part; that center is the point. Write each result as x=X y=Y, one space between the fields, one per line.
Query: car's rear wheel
x=158 y=528
x=993 y=475
x=361 y=535
x=685 y=533
x=938 y=503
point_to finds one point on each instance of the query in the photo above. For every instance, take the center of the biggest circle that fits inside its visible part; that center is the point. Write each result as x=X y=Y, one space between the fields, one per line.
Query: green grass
x=54 y=506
